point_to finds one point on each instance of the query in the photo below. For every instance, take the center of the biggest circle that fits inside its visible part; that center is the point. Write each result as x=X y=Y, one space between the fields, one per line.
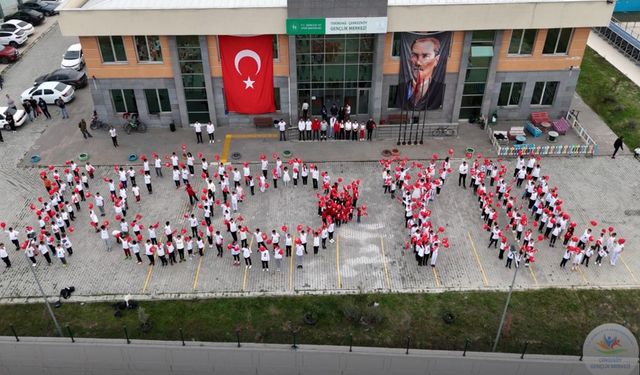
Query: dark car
x=33 y=17
x=8 y=54
x=67 y=76
x=40 y=6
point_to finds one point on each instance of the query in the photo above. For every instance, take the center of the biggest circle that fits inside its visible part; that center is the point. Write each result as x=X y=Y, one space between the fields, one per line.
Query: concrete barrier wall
x=115 y=357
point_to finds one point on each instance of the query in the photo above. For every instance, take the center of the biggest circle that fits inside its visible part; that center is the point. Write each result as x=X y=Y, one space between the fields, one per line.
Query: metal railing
x=621 y=37
x=404 y=133
x=589 y=148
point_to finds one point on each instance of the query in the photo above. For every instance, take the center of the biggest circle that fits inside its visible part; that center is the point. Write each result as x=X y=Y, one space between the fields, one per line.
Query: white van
x=73 y=58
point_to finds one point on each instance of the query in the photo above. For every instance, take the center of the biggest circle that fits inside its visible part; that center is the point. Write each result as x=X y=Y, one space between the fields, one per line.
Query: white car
x=73 y=58
x=13 y=38
x=19 y=117
x=12 y=25
x=50 y=91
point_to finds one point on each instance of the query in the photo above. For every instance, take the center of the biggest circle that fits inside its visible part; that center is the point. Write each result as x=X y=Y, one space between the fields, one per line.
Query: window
x=510 y=94
x=393 y=93
x=522 y=42
x=157 y=100
x=124 y=101
x=276 y=97
x=276 y=48
x=112 y=49
x=395 y=45
x=557 y=41
x=148 y=48
x=544 y=93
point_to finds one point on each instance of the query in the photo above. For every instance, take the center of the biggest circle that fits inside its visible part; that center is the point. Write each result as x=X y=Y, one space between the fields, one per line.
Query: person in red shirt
x=336 y=130
x=191 y=193
x=315 y=128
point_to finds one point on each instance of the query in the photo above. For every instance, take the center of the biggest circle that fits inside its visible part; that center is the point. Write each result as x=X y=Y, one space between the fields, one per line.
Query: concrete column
x=375 y=95
x=491 y=77
x=177 y=76
x=464 y=62
x=293 y=82
x=208 y=81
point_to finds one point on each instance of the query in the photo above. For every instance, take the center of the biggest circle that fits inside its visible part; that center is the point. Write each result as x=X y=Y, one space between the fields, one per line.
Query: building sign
x=351 y=25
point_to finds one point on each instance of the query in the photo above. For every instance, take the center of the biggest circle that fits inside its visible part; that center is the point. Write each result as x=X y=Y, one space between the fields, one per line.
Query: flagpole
x=289 y=84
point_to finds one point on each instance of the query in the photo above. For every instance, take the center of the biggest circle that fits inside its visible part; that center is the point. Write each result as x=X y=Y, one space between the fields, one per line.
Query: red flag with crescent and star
x=247 y=73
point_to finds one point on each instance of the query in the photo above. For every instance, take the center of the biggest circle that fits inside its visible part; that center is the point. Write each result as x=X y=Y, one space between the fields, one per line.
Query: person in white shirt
x=301 y=128
x=210 y=130
x=197 y=126
x=114 y=136
x=162 y=254
x=136 y=192
x=104 y=235
x=157 y=163
x=299 y=254
x=246 y=254
x=4 y=256
x=277 y=255
x=462 y=177
x=264 y=258
x=307 y=127
x=316 y=242
x=13 y=237
x=148 y=251
x=305 y=109
x=347 y=130
x=282 y=127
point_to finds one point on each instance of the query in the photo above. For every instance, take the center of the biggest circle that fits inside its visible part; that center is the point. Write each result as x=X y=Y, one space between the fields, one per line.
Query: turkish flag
x=247 y=73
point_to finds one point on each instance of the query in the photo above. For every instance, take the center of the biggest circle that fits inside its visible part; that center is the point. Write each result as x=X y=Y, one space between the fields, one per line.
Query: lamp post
x=506 y=305
x=44 y=296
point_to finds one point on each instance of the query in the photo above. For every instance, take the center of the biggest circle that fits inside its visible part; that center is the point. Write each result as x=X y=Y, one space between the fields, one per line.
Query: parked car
x=8 y=54
x=67 y=76
x=33 y=17
x=13 y=38
x=40 y=6
x=73 y=58
x=50 y=91
x=19 y=117
x=12 y=25
x=52 y=2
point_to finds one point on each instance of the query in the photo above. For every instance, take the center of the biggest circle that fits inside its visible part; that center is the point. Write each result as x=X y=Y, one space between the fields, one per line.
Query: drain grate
x=632 y=212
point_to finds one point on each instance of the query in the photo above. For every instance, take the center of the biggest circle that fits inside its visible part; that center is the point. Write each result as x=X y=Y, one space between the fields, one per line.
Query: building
x=161 y=58
x=8 y=7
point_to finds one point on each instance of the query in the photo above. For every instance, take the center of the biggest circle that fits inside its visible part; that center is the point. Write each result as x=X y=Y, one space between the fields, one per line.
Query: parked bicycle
x=96 y=123
x=443 y=131
x=133 y=123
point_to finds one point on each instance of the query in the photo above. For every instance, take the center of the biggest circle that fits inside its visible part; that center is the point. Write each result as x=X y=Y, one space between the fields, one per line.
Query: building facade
x=161 y=58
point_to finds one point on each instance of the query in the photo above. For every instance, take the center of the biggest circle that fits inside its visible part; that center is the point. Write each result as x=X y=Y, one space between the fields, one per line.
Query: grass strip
x=553 y=321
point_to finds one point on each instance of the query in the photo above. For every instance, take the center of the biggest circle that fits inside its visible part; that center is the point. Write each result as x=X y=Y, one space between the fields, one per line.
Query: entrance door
x=363 y=101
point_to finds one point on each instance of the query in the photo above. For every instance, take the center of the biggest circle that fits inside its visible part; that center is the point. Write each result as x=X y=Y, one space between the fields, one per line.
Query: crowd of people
x=530 y=205
x=416 y=194
x=225 y=188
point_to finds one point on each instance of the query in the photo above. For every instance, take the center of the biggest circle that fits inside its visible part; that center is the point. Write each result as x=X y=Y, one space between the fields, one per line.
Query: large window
x=275 y=47
x=544 y=93
x=192 y=72
x=395 y=45
x=557 y=41
x=124 y=101
x=148 y=48
x=157 y=100
x=391 y=99
x=476 y=76
x=112 y=49
x=335 y=69
x=510 y=93
x=522 y=42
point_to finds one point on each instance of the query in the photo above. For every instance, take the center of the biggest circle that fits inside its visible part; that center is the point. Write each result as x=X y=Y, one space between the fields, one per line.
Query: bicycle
x=97 y=124
x=442 y=131
x=133 y=124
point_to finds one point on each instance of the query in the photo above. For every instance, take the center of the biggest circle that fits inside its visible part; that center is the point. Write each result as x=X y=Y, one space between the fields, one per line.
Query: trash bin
x=172 y=126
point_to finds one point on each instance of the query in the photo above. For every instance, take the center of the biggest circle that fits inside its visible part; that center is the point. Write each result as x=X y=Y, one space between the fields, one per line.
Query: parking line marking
x=628 y=269
x=583 y=276
x=244 y=278
x=338 y=261
x=226 y=147
x=293 y=241
x=146 y=280
x=435 y=274
x=384 y=263
x=195 y=279
x=473 y=246
x=533 y=274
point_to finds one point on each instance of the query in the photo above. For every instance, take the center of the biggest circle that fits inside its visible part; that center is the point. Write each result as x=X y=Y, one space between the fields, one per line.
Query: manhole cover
x=632 y=212
x=386 y=153
x=236 y=156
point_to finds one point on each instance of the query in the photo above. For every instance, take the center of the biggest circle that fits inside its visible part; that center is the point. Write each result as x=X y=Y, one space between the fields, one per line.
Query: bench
x=398 y=118
x=535 y=132
x=561 y=126
x=538 y=118
x=263 y=122
x=514 y=132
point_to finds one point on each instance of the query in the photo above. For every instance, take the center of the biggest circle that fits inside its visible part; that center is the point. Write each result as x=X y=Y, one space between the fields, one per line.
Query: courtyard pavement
x=366 y=257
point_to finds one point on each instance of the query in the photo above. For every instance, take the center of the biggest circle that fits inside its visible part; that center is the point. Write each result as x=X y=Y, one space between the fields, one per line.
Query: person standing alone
x=114 y=136
x=617 y=145
x=83 y=128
